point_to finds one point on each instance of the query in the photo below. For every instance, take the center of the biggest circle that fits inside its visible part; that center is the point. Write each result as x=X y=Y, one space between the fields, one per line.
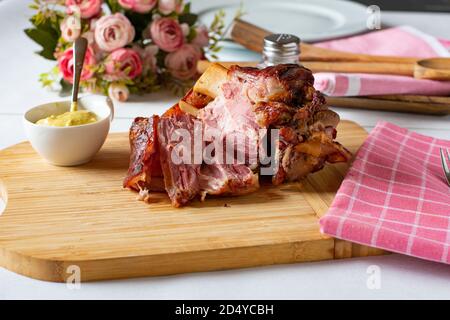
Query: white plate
x=311 y=20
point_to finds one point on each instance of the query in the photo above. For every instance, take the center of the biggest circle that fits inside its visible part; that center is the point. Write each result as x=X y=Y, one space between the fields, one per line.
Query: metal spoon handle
x=79 y=52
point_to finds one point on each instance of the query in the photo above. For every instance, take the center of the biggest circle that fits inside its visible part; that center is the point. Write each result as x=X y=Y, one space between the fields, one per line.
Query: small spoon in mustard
x=79 y=52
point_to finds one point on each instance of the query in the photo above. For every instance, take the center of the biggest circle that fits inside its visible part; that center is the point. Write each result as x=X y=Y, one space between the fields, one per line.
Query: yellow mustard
x=68 y=119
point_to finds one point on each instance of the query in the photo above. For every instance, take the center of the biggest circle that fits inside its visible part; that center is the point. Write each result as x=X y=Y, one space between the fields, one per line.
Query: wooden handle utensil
x=394 y=103
x=346 y=67
x=251 y=37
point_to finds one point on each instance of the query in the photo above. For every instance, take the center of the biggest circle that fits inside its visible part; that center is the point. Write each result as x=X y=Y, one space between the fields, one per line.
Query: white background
x=401 y=276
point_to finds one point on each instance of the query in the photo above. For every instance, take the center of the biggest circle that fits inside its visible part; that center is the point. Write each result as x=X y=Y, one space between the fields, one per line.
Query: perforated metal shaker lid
x=281 y=44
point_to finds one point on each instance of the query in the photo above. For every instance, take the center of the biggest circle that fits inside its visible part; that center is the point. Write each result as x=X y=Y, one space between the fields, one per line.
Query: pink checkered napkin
x=395 y=196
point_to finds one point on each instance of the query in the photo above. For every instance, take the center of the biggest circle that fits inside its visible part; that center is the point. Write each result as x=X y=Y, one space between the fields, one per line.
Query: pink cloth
x=445 y=43
x=399 y=41
x=358 y=84
x=395 y=196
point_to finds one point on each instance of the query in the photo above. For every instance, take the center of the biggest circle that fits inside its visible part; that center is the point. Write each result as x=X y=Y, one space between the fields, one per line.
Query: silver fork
x=445 y=165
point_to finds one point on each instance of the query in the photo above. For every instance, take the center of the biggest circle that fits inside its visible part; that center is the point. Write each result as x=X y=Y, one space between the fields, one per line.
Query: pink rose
x=118 y=91
x=201 y=38
x=113 y=32
x=89 y=36
x=148 y=57
x=166 y=33
x=141 y=6
x=123 y=64
x=70 y=28
x=65 y=64
x=87 y=8
x=168 y=6
x=182 y=64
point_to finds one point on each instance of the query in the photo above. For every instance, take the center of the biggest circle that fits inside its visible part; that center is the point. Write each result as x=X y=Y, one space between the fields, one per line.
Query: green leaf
x=49 y=24
x=187 y=8
x=113 y=6
x=46 y=54
x=45 y=40
x=66 y=88
x=139 y=21
x=192 y=34
x=218 y=30
x=40 y=36
x=161 y=57
x=188 y=18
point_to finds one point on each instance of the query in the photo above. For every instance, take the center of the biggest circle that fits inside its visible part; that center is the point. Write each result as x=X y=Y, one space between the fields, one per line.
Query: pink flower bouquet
x=135 y=46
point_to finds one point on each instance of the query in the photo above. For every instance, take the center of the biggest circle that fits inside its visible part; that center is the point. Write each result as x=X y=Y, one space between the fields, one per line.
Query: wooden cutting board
x=58 y=217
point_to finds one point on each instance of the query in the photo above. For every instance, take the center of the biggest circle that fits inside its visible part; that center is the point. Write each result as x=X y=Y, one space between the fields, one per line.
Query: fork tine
x=448 y=154
x=445 y=165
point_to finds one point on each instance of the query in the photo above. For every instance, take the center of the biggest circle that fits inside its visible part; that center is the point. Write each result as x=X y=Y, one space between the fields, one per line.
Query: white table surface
x=401 y=277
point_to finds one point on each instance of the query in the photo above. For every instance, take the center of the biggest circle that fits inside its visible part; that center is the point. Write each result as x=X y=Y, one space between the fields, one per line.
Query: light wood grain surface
x=62 y=216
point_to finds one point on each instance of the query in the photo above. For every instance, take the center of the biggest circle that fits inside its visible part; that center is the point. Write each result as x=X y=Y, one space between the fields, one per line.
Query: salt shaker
x=280 y=48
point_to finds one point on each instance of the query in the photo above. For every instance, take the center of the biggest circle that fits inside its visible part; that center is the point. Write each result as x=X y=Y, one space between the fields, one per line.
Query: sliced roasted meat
x=296 y=161
x=185 y=177
x=225 y=179
x=324 y=119
x=230 y=119
x=144 y=171
x=280 y=97
x=232 y=107
x=273 y=114
x=181 y=173
x=196 y=99
x=288 y=83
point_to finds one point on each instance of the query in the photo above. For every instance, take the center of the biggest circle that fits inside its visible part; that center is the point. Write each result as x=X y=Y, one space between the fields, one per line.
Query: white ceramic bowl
x=69 y=146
